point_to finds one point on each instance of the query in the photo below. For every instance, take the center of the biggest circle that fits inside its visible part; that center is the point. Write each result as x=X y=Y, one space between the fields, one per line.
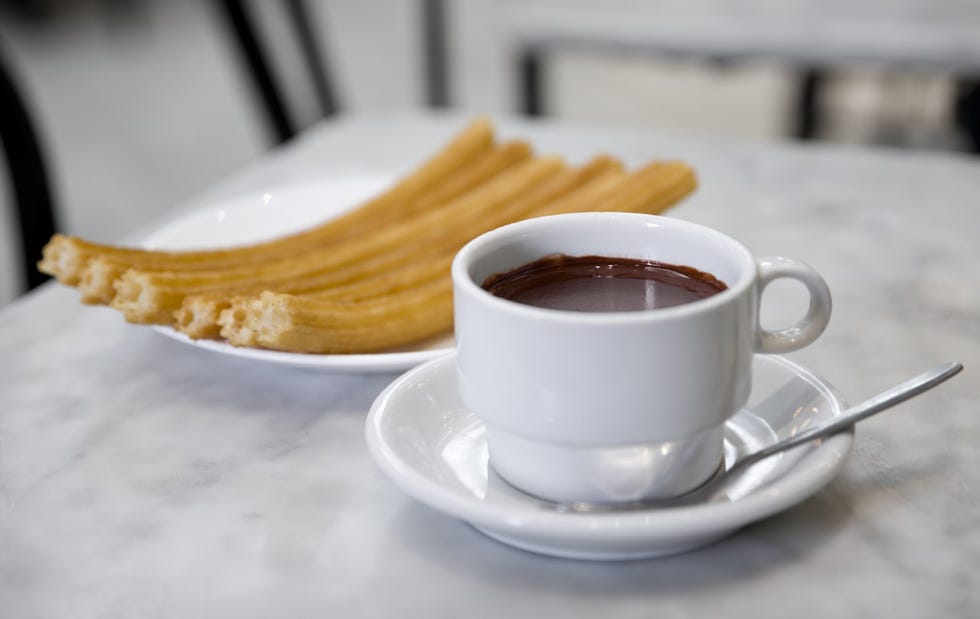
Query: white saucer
x=426 y=441
x=272 y=212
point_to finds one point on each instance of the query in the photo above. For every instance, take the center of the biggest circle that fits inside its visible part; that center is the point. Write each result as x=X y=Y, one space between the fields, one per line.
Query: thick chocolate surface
x=602 y=284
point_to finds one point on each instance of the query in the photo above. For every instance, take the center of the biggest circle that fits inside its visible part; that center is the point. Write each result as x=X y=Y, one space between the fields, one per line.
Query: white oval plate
x=267 y=214
x=434 y=449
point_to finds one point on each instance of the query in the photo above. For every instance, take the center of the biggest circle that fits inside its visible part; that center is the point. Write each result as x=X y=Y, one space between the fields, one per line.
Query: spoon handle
x=885 y=400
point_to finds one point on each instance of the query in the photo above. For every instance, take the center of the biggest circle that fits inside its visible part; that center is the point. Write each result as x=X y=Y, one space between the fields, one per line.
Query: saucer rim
x=818 y=465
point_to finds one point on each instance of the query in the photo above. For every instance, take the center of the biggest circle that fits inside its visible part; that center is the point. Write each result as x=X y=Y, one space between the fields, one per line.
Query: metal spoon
x=883 y=401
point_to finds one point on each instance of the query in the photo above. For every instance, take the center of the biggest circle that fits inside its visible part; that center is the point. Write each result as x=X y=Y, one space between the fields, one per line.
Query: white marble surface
x=142 y=478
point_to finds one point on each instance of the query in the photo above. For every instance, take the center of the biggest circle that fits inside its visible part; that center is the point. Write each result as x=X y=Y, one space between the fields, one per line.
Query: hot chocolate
x=602 y=284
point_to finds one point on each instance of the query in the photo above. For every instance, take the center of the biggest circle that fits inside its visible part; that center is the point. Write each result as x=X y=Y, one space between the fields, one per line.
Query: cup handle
x=817 y=316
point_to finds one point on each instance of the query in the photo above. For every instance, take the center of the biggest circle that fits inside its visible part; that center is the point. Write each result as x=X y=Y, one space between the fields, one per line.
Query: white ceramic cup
x=615 y=406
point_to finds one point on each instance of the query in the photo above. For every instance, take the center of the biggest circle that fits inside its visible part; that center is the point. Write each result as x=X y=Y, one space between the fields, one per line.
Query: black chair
x=542 y=30
x=32 y=194
x=967 y=112
x=257 y=59
x=530 y=89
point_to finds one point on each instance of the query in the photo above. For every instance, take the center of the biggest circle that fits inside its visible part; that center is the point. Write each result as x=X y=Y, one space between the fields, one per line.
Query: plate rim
x=650 y=525
x=382 y=362
x=375 y=362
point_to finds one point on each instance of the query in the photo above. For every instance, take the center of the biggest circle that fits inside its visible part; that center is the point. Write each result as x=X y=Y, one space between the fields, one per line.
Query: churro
x=152 y=297
x=299 y=324
x=325 y=323
x=97 y=277
x=198 y=314
x=377 y=276
x=65 y=257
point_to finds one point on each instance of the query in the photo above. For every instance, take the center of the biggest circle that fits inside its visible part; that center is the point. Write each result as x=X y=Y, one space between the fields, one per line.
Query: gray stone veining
x=143 y=478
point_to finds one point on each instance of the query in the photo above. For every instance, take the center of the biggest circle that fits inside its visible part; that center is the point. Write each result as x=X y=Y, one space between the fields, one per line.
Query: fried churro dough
x=152 y=297
x=198 y=315
x=378 y=276
x=98 y=276
x=65 y=257
x=323 y=324
x=650 y=189
x=299 y=324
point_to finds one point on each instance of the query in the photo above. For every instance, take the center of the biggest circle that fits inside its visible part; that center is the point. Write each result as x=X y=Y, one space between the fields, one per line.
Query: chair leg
x=314 y=56
x=967 y=112
x=808 y=117
x=530 y=87
x=28 y=176
x=435 y=44
x=241 y=26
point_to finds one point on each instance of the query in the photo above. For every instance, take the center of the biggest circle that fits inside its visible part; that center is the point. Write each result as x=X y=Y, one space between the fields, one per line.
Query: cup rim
x=464 y=259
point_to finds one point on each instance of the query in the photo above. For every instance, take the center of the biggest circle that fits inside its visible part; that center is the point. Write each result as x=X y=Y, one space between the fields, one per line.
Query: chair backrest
x=255 y=54
x=32 y=195
x=248 y=22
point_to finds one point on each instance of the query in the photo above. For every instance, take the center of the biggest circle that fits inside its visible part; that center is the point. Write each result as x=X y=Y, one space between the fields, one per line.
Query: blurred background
x=136 y=105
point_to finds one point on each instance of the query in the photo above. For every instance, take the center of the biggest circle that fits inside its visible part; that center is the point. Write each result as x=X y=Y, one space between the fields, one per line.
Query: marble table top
x=143 y=478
